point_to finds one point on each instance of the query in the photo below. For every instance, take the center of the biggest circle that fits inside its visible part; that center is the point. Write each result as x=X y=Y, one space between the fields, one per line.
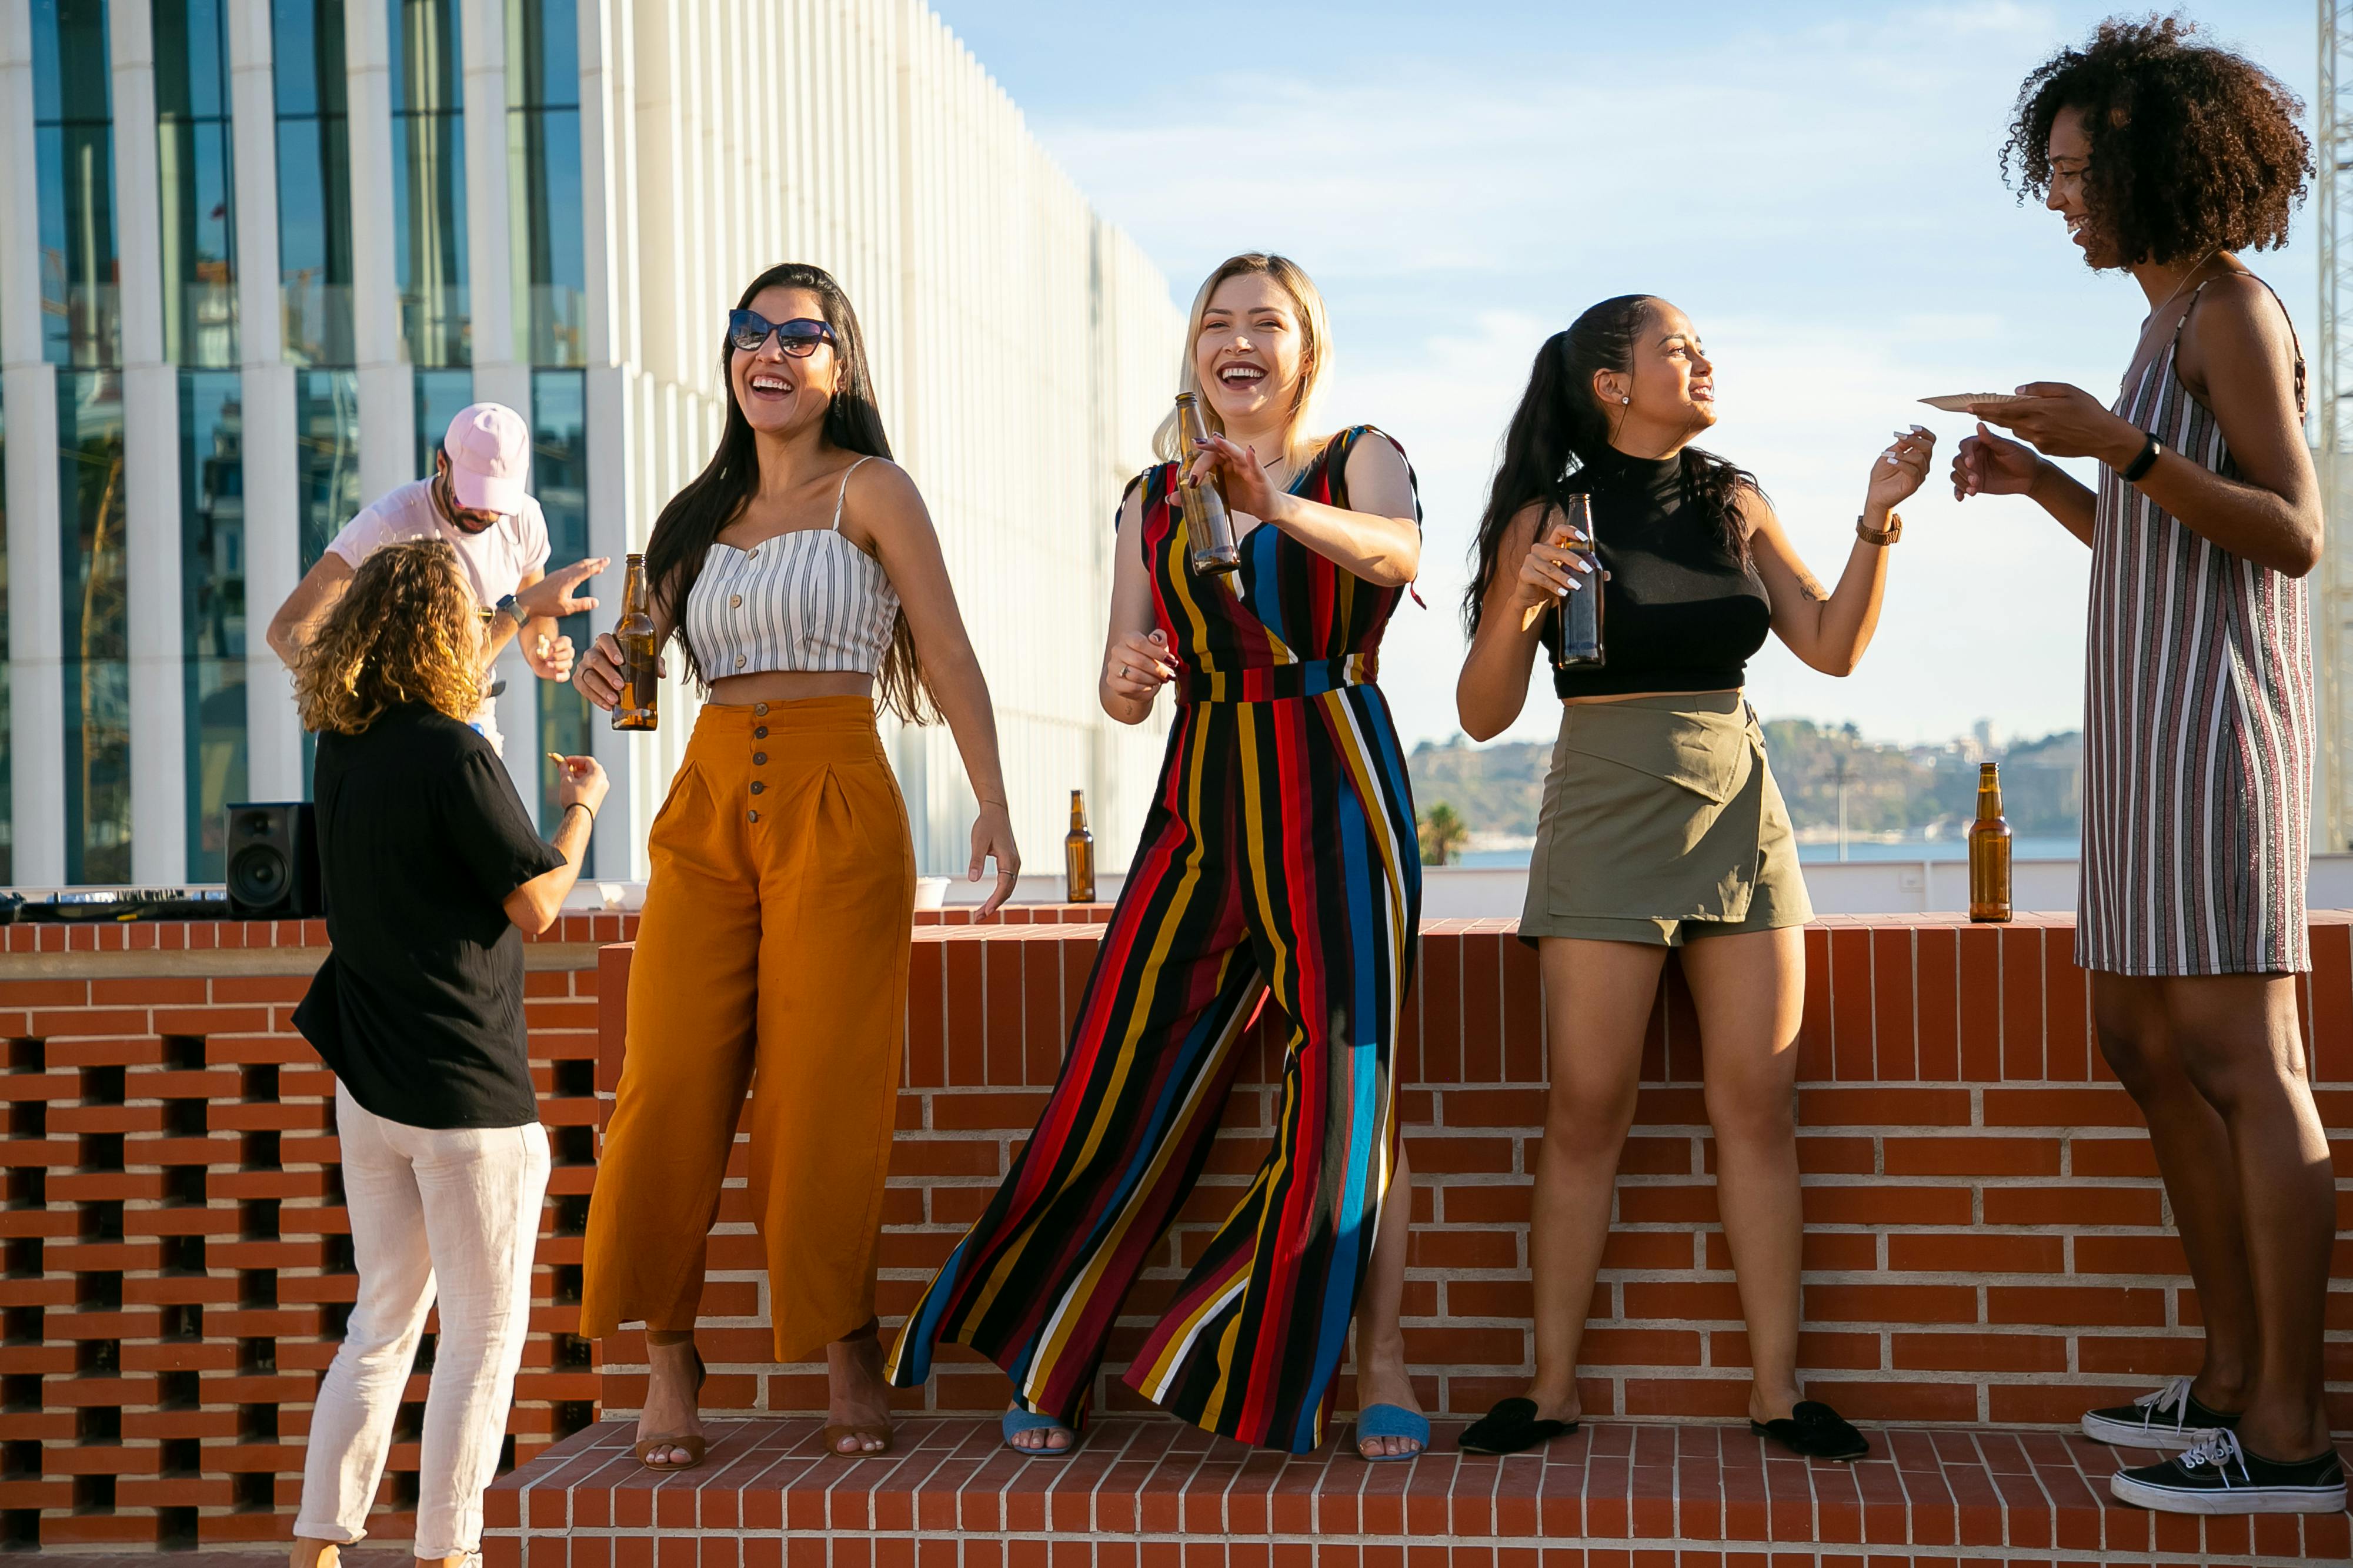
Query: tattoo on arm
x=1812 y=589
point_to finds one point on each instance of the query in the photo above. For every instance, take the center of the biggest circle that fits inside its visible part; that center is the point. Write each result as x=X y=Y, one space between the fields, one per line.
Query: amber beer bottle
x=1581 y=610
x=1209 y=526
x=1079 y=855
x=640 y=704
x=1990 y=850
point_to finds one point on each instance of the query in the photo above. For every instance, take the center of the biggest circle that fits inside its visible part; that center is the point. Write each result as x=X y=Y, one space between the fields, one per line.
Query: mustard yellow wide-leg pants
x=772 y=953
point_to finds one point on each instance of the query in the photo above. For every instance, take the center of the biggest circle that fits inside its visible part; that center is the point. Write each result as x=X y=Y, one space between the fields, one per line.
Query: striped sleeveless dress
x=2199 y=725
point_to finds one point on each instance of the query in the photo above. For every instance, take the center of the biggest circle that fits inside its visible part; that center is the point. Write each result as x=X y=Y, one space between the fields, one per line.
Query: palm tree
x=1443 y=834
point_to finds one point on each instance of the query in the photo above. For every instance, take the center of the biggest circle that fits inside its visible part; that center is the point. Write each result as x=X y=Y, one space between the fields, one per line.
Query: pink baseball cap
x=489 y=456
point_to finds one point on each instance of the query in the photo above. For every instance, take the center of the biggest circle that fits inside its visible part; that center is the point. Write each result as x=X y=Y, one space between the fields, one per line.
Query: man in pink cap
x=476 y=501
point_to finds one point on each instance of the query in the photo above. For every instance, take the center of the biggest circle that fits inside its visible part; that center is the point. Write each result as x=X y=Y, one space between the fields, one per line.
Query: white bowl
x=931 y=892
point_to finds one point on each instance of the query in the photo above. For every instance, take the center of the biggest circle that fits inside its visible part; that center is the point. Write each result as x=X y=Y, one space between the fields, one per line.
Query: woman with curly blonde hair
x=432 y=873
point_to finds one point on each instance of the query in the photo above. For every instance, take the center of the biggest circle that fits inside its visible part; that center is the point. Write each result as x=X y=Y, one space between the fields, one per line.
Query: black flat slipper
x=1815 y=1431
x=1510 y=1428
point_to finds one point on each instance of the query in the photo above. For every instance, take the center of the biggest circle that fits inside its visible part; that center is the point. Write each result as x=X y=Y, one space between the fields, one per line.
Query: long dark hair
x=692 y=523
x=1559 y=439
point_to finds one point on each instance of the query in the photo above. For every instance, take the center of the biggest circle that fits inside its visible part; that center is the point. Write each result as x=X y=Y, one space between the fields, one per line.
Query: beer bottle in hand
x=1209 y=526
x=1989 y=851
x=1079 y=855
x=1579 y=611
x=640 y=704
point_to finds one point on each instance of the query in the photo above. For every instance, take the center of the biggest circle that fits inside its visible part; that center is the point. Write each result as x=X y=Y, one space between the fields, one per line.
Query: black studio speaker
x=272 y=861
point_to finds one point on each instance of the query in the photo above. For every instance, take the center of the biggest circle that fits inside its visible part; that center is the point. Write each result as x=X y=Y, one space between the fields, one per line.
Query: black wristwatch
x=2141 y=465
x=514 y=611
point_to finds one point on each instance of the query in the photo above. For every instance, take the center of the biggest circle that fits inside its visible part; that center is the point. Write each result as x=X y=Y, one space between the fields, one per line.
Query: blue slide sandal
x=1026 y=1421
x=1391 y=1421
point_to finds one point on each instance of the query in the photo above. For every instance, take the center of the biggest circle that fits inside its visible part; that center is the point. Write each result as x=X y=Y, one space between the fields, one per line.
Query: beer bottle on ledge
x=1209 y=526
x=1079 y=855
x=1990 y=850
x=640 y=704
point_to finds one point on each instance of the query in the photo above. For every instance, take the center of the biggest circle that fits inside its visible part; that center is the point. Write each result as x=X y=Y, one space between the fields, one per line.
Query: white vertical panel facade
x=860 y=136
x=1022 y=351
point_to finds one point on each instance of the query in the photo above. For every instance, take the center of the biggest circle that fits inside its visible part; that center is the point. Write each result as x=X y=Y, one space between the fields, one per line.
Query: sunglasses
x=749 y=331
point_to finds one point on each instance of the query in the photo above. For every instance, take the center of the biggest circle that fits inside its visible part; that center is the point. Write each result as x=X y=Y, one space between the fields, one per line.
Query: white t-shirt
x=495 y=560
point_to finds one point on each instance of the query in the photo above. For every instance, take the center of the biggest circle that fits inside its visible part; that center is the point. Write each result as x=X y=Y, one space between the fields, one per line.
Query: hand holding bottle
x=597 y=676
x=1558 y=563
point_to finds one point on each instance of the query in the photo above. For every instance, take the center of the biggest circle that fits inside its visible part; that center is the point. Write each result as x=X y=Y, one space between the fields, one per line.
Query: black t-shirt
x=1680 y=612
x=419 y=1007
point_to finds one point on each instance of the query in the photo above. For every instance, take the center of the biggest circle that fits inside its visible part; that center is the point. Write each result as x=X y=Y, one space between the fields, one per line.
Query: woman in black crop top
x=1661 y=825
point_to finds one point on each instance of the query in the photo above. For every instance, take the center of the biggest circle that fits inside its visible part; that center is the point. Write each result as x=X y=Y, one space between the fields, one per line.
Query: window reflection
x=212 y=607
x=96 y=651
x=195 y=184
x=559 y=478
x=73 y=143
x=544 y=176
x=428 y=183
x=8 y=673
x=314 y=196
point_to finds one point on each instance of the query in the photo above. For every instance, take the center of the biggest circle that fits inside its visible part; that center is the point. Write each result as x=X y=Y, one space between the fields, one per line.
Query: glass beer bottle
x=1579 y=611
x=1990 y=850
x=1209 y=526
x=640 y=704
x=1079 y=855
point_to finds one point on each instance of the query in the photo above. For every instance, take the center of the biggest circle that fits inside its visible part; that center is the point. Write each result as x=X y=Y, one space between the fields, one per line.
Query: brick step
x=1152 y=1493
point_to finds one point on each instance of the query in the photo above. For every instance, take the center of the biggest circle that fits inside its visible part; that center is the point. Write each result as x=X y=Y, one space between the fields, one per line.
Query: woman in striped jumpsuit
x=1278 y=859
x=2167 y=157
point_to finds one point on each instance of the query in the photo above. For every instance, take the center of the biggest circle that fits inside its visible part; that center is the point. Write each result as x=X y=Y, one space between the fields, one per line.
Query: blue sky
x=1816 y=185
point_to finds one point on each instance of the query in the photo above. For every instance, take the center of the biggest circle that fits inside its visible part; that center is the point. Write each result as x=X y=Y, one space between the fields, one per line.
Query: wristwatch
x=514 y=611
x=1873 y=536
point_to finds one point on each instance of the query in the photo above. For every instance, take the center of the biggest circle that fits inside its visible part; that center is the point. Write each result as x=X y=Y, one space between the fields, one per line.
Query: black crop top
x=1678 y=614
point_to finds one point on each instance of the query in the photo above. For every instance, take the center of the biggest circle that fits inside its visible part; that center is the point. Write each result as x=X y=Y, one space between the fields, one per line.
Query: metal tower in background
x=2332 y=436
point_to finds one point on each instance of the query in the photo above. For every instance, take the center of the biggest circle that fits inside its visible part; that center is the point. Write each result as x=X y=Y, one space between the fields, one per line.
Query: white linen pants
x=454 y=1210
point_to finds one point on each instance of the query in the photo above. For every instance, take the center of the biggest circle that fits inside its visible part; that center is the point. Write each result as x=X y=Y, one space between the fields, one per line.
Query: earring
x=1627 y=401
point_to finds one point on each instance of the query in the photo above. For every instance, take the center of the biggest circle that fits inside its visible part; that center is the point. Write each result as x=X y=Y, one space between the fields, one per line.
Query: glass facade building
x=244 y=331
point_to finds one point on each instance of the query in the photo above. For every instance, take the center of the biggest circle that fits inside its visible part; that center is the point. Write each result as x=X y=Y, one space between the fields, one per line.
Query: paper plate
x=1969 y=402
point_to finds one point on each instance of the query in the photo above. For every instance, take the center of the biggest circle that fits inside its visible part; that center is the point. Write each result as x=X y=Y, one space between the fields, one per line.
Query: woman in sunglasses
x=799 y=572
x=1277 y=861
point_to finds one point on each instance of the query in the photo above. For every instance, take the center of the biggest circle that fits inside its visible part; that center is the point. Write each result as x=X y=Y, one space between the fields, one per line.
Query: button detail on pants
x=757 y=787
x=760 y=733
x=759 y=759
x=751 y=817
x=759 y=709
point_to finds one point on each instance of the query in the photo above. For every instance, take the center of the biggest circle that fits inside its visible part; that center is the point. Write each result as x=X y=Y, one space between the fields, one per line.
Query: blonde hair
x=404 y=631
x=1314 y=354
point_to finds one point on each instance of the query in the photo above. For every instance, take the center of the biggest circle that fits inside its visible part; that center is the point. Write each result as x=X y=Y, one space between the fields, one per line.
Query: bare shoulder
x=880 y=500
x=1756 y=510
x=2235 y=320
x=1379 y=479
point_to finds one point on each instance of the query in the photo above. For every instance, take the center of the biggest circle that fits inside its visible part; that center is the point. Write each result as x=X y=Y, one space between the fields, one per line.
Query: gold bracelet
x=1869 y=535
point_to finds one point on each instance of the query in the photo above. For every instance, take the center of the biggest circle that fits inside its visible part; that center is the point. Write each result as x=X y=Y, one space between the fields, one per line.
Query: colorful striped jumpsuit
x=1279 y=855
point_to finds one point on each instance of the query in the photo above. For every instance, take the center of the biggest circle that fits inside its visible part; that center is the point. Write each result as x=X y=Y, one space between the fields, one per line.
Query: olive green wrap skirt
x=1661 y=823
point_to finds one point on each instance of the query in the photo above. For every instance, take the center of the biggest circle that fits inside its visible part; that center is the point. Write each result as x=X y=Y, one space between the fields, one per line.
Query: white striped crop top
x=807 y=600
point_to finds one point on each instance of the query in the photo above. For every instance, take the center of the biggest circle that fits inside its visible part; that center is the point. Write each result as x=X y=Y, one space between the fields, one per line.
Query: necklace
x=2177 y=288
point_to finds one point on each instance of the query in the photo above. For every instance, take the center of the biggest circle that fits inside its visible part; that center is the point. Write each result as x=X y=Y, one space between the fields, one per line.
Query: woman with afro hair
x=2168 y=157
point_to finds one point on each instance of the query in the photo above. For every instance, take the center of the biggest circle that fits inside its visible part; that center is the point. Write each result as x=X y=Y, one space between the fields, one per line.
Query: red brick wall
x=1987 y=1239
x=1986 y=1236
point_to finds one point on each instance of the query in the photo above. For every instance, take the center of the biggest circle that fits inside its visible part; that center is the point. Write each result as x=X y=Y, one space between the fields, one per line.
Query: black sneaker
x=2169 y=1418
x=2215 y=1475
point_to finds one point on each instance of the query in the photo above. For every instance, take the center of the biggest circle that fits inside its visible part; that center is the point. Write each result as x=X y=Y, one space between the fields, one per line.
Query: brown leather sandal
x=862 y=1430
x=691 y=1441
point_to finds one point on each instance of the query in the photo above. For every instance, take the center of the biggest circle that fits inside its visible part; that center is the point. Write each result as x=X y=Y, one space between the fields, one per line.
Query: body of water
x=2054 y=848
